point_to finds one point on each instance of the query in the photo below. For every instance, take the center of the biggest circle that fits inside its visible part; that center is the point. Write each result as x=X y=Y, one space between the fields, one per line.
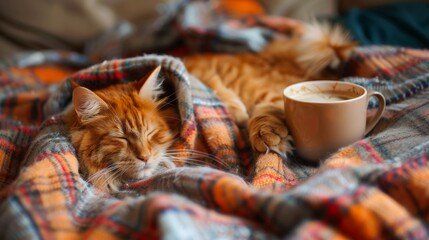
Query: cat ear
x=149 y=86
x=74 y=84
x=87 y=104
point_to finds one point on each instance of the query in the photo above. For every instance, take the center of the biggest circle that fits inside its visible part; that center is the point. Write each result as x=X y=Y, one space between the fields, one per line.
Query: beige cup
x=323 y=116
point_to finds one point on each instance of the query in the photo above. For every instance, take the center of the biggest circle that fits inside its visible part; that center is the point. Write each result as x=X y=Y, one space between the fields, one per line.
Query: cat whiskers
x=172 y=100
x=131 y=166
x=105 y=176
x=94 y=177
x=196 y=158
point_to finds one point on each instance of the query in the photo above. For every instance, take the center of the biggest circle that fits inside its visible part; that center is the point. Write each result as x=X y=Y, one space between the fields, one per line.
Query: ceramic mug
x=324 y=116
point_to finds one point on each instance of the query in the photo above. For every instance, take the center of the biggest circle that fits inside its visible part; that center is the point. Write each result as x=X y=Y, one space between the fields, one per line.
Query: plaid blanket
x=375 y=188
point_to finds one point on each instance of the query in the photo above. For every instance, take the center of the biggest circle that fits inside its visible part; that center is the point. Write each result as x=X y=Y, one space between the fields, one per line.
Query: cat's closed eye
x=123 y=139
x=119 y=137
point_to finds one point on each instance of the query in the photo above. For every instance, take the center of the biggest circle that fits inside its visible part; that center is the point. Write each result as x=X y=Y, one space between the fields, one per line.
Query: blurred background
x=104 y=29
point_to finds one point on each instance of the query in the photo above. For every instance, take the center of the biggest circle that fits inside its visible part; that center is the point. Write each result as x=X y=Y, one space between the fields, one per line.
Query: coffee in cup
x=324 y=116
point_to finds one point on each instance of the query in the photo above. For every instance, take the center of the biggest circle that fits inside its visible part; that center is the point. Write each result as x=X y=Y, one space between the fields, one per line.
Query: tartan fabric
x=373 y=189
x=396 y=72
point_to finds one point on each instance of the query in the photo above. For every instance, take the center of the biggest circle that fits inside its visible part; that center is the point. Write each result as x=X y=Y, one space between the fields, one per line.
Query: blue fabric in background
x=402 y=24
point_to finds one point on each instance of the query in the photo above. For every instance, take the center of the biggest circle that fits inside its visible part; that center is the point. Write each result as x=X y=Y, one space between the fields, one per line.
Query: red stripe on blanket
x=66 y=173
x=116 y=68
x=371 y=151
x=104 y=221
x=8 y=146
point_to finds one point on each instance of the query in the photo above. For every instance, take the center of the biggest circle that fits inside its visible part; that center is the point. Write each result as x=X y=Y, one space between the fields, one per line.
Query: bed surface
x=375 y=188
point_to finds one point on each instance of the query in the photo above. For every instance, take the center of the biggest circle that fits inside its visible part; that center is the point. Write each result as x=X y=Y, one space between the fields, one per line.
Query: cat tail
x=319 y=46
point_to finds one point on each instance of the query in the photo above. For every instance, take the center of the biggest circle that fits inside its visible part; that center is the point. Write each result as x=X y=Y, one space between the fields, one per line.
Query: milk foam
x=324 y=97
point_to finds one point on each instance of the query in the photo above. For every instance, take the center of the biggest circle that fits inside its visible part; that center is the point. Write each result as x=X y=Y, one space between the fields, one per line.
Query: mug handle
x=382 y=104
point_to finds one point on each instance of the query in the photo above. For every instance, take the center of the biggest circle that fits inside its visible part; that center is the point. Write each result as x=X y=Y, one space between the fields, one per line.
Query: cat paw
x=269 y=133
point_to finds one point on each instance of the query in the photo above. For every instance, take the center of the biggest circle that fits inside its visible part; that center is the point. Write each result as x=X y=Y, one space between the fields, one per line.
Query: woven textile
x=396 y=72
x=375 y=188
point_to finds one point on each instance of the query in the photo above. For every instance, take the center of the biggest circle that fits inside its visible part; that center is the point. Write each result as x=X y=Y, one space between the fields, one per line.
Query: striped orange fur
x=251 y=85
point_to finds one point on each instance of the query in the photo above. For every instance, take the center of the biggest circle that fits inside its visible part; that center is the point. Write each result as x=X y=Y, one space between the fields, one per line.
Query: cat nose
x=143 y=158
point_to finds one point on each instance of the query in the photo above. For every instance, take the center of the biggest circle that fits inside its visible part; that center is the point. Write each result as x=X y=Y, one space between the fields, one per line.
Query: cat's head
x=123 y=129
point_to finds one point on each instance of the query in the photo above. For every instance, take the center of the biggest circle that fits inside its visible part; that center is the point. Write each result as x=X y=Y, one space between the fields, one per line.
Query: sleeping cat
x=250 y=85
x=121 y=132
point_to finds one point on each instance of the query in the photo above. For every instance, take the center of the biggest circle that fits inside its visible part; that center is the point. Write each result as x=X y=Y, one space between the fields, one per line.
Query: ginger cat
x=250 y=85
x=121 y=132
